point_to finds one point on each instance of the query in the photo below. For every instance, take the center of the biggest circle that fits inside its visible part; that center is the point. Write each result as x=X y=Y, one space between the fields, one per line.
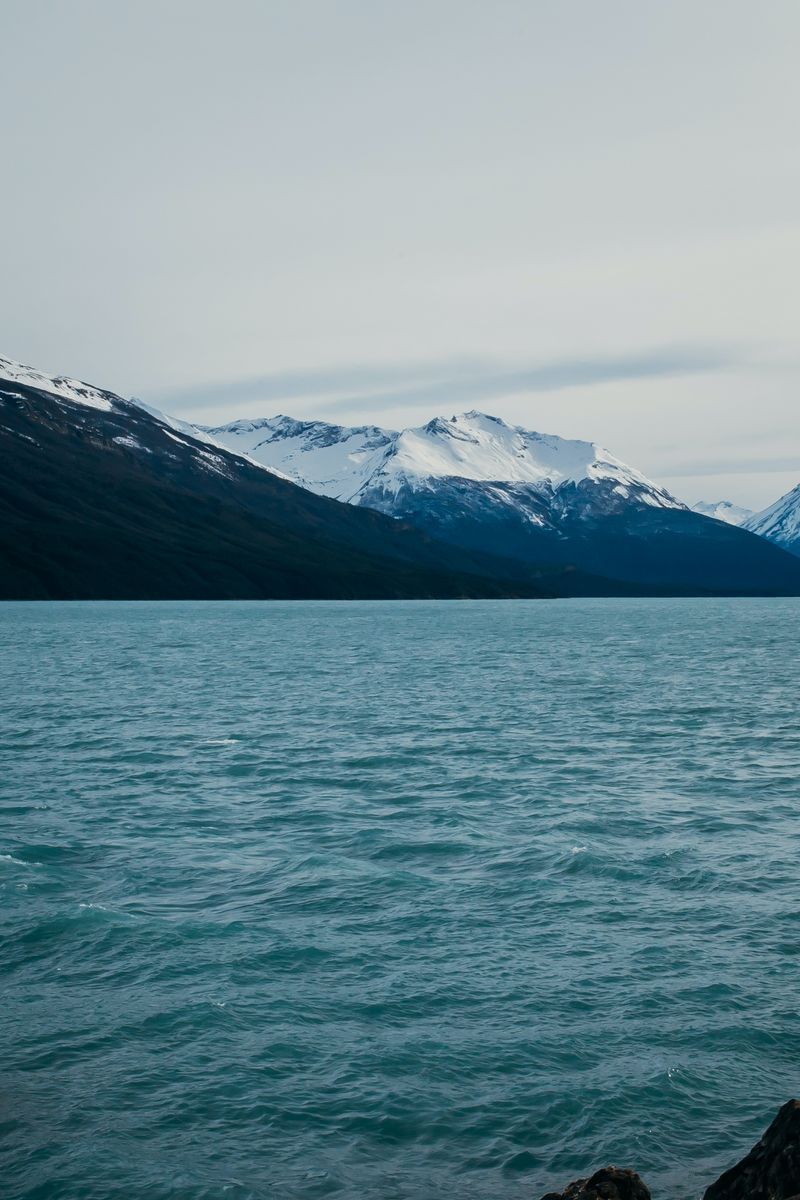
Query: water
x=394 y=900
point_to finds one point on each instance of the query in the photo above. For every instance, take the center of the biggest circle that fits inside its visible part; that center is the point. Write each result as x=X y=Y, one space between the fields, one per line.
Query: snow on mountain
x=106 y=501
x=372 y=466
x=73 y=391
x=723 y=510
x=57 y=385
x=327 y=459
x=199 y=434
x=512 y=501
x=780 y=522
x=476 y=482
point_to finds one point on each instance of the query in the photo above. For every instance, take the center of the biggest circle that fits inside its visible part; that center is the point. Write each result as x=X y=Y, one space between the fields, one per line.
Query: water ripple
x=394 y=901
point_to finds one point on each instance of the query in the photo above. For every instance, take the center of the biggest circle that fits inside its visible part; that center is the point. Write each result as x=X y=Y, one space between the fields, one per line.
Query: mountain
x=101 y=497
x=780 y=523
x=371 y=466
x=723 y=510
x=482 y=484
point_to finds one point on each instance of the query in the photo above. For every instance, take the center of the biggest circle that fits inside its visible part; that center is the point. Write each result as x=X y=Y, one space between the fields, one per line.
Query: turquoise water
x=394 y=900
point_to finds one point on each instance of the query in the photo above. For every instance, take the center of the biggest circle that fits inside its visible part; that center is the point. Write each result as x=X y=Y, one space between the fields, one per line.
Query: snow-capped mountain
x=480 y=483
x=56 y=385
x=105 y=497
x=780 y=522
x=102 y=497
x=379 y=468
x=85 y=395
x=723 y=510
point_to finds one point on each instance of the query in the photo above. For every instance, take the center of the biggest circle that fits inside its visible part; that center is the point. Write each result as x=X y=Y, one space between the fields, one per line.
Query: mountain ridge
x=100 y=499
x=352 y=462
x=104 y=496
x=481 y=483
x=779 y=522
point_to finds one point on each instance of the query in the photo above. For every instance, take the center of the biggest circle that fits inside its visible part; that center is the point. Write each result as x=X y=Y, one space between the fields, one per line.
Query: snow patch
x=131 y=443
x=16 y=433
x=56 y=385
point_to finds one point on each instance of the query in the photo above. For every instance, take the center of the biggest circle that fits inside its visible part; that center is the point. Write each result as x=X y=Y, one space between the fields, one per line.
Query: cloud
x=453 y=381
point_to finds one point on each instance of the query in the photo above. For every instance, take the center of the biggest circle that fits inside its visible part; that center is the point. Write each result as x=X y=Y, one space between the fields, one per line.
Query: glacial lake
x=395 y=900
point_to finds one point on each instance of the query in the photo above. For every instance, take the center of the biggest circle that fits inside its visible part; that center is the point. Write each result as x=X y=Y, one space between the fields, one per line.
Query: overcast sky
x=582 y=215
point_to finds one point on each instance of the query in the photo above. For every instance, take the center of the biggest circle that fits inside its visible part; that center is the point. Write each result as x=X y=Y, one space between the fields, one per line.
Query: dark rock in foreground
x=771 y=1171
x=610 y=1183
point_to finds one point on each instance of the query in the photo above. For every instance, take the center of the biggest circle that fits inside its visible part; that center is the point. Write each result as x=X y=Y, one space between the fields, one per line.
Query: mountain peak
x=723 y=510
x=474 y=416
x=780 y=522
x=359 y=463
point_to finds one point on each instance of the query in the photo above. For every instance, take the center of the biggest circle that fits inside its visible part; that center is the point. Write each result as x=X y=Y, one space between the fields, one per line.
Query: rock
x=610 y=1183
x=771 y=1171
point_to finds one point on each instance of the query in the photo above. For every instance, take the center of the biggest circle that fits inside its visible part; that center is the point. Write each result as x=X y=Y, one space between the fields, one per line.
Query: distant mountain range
x=480 y=483
x=724 y=510
x=103 y=497
x=779 y=522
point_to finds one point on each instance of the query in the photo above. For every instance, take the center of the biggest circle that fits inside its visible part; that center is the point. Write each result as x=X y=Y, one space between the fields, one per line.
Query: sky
x=581 y=216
